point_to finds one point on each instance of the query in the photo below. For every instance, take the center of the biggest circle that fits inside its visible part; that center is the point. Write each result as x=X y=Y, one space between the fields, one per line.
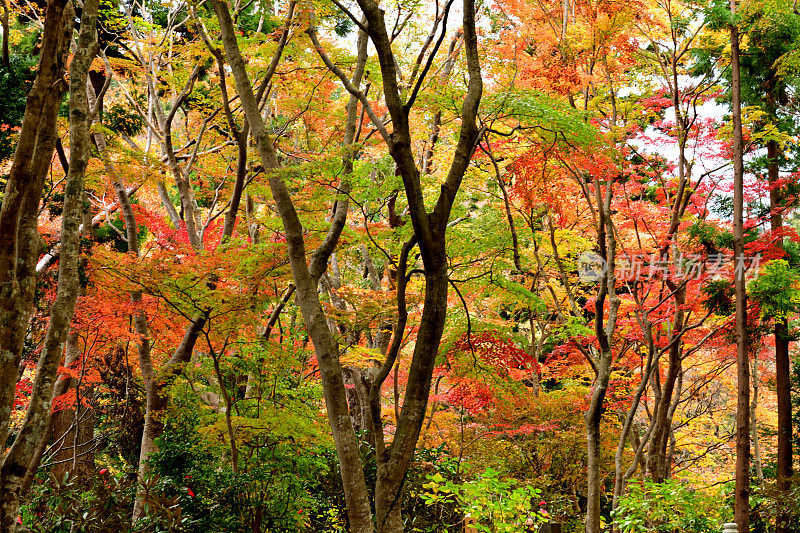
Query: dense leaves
x=239 y=284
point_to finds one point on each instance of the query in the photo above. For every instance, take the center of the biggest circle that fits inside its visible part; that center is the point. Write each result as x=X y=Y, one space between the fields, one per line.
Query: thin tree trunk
x=6 y=29
x=156 y=383
x=742 y=491
x=306 y=279
x=593 y=416
x=140 y=323
x=166 y=202
x=754 y=422
x=60 y=422
x=604 y=331
x=629 y=430
x=656 y=462
x=228 y=413
x=782 y=361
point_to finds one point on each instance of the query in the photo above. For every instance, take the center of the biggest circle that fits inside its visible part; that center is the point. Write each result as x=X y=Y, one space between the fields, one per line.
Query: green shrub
x=666 y=507
x=497 y=505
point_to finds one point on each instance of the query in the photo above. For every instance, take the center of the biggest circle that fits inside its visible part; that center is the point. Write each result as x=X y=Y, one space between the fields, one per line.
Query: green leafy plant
x=666 y=507
x=101 y=503
x=496 y=504
x=776 y=289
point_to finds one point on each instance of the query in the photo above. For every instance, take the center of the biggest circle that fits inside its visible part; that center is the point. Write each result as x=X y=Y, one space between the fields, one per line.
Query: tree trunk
x=392 y=465
x=782 y=361
x=594 y=487
x=151 y=428
x=742 y=491
x=6 y=57
x=156 y=401
x=306 y=279
x=754 y=422
x=429 y=230
x=657 y=458
x=629 y=429
x=604 y=330
x=20 y=242
x=19 y=458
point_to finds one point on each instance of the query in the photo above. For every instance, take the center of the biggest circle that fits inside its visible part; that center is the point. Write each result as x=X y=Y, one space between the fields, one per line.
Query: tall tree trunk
x=742 y=491
x=594 y=486
x=604 y=330
x=6 y=57
x=629 y=429
x=662 y=419
x=20 y=242
x=782 y=363
x=392 y=465
x=754 y=422
x=156 y=382
x=19 y=459
x=429 y=229
x=306 y=279
x=430 y=232
x=151 y=426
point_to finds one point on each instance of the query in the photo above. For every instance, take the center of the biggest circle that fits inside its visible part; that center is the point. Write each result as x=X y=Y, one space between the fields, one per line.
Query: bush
x=273 y=491
x=666 y=507
x=497 y=505
x=98 y=505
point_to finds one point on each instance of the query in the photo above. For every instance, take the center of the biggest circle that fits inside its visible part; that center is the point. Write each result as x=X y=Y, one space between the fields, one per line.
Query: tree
x=742 y=495
x=429 y=227
x=772 y=34
x=23 y=191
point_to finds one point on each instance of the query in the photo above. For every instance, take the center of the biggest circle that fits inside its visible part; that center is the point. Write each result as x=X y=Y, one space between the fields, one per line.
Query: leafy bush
x=418 y=514
x=100 y=504
x=122 y=120
x=769 y=503
x=666 y=507
x=497 y=505
x=274 y=491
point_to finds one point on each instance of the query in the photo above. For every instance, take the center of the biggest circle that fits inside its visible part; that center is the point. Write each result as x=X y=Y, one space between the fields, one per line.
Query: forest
x=383 y=266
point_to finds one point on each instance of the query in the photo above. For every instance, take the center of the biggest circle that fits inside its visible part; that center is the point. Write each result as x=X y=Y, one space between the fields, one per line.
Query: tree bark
x=754 y=422
x=306 y=278
x=20 y=242
x=140 y=322
x=782 y=360
x=156 y=382
x=6 y=57
x=657 y=458
x=604 y=331
x=18 y=459
x=742 y=491
x=429 y=230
